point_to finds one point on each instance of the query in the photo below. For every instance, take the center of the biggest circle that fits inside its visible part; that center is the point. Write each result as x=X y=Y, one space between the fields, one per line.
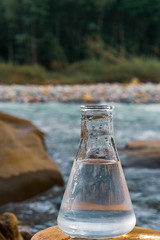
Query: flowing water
x=61 y=123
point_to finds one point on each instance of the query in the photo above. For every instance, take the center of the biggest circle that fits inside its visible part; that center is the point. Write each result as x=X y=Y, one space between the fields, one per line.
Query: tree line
x=48 y=31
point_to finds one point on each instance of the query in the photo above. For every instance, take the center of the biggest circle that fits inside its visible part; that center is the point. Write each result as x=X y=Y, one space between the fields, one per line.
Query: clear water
x=96 y=202
x=96 y=223
x=61 y=123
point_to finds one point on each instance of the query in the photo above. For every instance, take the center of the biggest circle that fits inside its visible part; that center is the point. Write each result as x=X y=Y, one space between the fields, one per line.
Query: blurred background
x=79 y=41
x=55 y=55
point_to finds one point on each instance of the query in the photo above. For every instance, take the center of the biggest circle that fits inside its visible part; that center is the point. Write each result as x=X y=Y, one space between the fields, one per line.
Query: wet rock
x=139 y=153
x=26 y=235
x=9 y=227
x=26 y=169
x=136 y=234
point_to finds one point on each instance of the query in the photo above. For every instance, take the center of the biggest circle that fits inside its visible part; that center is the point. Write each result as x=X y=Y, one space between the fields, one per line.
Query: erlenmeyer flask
x=96 y=202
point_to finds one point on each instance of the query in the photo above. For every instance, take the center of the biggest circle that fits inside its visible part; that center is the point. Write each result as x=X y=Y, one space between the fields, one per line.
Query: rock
x=141 y=144
x=2 y=237
x=26 y=235
x=9 y=227
x=88 y=97
x=144 y=153
x=137 y=233
x=26 y=169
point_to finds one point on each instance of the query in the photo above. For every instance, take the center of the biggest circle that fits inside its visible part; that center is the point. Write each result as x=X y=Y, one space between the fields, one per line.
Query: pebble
x=131 y=93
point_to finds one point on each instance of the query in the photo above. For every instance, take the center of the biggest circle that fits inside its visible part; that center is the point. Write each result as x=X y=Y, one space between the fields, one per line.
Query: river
x=61 y=123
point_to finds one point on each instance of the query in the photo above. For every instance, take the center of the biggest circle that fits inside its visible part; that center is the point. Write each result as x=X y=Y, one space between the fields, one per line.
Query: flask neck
x=97 y=141
x=94 y=126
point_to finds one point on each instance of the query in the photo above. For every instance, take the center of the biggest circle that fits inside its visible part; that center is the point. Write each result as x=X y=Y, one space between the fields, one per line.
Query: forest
x=79 y=39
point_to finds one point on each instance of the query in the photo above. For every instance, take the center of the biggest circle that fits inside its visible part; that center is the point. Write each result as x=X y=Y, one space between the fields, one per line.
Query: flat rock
x=139 y=153
x=137 y=233
x=26 y=169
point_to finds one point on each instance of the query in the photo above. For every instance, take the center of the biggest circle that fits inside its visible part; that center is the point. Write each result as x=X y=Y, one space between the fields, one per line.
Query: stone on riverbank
x=26 y=235
x=128 y=93
x=9 y=227
x=140 y=153
x=25 y=167
x=137 y=234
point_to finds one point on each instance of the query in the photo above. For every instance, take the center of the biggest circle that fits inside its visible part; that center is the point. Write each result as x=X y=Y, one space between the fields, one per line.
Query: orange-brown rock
x=25 y=167
x=137 y=233
x=2 y=237
x=88 y=97
x=144 y=153
x=9 y=227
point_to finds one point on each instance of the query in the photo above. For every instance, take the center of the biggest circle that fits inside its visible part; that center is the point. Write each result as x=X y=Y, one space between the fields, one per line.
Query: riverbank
x=127 y=93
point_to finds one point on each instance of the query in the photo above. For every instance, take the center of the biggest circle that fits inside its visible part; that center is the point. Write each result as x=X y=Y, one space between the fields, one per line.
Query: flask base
x=95 y=224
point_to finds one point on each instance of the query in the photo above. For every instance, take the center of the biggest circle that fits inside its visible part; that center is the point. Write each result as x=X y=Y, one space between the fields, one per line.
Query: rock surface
x=136 y=234
x=25 y=167
x=26 y=235
x=9 y=227
x=144 y=153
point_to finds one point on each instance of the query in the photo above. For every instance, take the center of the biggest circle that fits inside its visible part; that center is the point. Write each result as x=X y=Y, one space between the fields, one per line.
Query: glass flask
x=96 y=202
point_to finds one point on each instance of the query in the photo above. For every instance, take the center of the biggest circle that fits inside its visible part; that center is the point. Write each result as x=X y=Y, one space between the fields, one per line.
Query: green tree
x=45 y=31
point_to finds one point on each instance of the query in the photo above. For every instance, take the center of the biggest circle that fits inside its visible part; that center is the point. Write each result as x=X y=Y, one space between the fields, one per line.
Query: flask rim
x=96 y=107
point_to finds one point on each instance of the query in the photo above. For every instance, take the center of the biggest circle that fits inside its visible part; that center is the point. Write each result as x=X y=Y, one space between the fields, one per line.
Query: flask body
x=96 y=202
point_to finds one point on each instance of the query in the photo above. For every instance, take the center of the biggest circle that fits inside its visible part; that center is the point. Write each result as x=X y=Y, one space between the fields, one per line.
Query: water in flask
x=96 y=206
